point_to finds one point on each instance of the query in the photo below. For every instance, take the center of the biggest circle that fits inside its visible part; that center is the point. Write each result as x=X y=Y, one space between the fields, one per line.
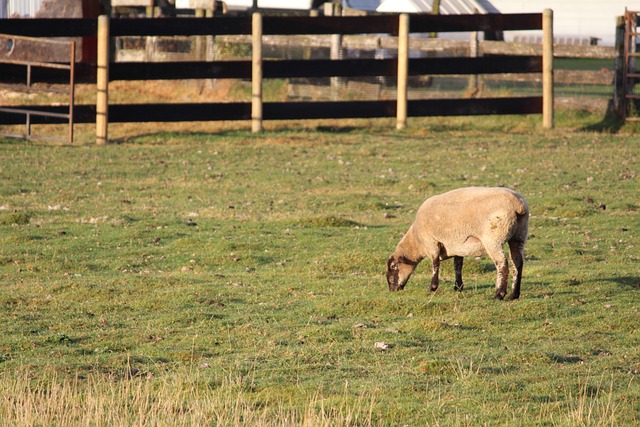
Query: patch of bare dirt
x=592 y=105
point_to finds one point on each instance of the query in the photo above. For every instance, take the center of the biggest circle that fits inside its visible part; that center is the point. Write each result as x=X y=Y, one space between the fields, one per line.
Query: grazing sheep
x=469 y=221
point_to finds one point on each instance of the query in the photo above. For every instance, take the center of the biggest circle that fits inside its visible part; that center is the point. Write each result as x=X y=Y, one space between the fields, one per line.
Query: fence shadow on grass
x=160 y=137
x=610 y=123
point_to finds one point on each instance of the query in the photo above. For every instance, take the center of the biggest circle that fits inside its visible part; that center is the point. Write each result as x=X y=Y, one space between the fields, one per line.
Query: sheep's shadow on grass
x=626 y=281
x=534 y=289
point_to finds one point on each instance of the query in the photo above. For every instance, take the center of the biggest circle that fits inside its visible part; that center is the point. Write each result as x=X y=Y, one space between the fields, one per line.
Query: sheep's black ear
x=392 y=264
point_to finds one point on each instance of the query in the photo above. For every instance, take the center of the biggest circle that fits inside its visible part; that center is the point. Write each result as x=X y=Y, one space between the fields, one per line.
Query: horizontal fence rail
x=190 y=112
x=47 y=27
x=123 y=71
x=272 y=25
x=286 y=25
x=323 y=68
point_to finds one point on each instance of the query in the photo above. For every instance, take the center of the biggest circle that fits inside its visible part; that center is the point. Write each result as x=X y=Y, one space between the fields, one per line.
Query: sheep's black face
x=393 y=274
x=398 y=272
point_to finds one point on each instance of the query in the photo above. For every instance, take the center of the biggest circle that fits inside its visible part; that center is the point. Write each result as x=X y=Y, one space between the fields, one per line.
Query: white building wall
x=266 y=4
x=19 y=8
x=574 y=18
x=362 y=4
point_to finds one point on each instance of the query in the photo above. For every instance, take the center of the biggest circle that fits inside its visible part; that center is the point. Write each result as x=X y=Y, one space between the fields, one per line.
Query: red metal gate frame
x=28 y=87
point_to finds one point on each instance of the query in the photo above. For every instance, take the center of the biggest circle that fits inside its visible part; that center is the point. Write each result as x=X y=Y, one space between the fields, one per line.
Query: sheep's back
x=473 y=211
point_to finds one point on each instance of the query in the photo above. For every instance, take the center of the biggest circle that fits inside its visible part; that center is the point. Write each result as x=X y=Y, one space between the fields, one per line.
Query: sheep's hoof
x=458 y=287
x=513 y=296
x=499 y=295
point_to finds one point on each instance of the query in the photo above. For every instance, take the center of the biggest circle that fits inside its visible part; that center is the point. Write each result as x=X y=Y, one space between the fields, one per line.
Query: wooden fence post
x=333 y=9
x=619 y=83
x=547 y=69
x=256 y=73
x=102 y=83
x=151 y=11
x=473 y=86
x=403 y=70
x=200 y=44
x=336 y=54
x=72 y=88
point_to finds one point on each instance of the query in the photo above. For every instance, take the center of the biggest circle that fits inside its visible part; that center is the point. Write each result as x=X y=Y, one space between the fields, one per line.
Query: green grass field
x=224 y=278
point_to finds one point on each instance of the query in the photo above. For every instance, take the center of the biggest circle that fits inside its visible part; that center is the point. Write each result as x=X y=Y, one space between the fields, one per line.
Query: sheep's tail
x=522 y=219
x=522 y=208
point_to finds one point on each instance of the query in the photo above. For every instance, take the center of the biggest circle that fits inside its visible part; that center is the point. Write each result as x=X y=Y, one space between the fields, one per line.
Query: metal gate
x=20 y=50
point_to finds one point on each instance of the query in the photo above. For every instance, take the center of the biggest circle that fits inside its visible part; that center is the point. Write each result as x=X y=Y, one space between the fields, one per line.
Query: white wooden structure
x=572 y=19
x=447 y=7
x=19 y=8
x=270 y=4
x=575 y=22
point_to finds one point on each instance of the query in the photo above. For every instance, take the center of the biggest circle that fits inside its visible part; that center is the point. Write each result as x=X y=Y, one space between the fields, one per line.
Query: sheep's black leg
x=457 y=265
x=516 y=251
x=435 y=281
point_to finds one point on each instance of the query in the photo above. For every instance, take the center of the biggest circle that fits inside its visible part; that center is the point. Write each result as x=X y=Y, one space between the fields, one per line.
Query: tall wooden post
x=72 y=88
x=335 y=53
x=256 y=73
x=102 y=83
x=151 y=11
x=435 y=10
x=403 y=70
x=619 y=82
x=547 y=69
x=473 y=87
x=200 y=40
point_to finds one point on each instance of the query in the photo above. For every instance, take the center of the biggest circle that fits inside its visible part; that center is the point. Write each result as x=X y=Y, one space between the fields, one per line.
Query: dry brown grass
x=177 y=399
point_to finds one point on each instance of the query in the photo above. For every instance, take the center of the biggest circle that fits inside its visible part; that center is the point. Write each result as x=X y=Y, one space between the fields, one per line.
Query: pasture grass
x=225 y=278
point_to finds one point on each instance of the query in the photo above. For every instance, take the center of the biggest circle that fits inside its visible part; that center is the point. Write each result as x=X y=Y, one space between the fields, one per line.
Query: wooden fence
x=256 y=111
